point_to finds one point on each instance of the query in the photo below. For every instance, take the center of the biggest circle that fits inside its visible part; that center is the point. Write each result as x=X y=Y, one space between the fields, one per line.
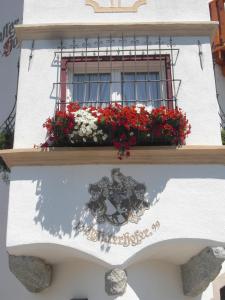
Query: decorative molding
x=81 y=30
x=107 y=155
x=32 y=272
x=118 y=8
x=201 y=270
x=115 y=282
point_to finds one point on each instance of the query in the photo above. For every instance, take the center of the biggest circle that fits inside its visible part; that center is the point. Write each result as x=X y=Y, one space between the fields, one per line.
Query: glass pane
x=128 y=87
x=142 y=90
x=91 y=87
x=142 y=87
x=154 y=88
x=93 y=93
x=79 y=88
x=105 y=87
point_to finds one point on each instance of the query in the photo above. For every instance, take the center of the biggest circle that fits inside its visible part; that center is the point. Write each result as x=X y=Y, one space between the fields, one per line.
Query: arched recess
x=175 y=251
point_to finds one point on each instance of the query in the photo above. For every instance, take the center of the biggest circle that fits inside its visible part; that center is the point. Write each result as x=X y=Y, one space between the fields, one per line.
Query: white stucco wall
x=69 y=11
x=78 y=278
x=197 y=95
x=54 y=199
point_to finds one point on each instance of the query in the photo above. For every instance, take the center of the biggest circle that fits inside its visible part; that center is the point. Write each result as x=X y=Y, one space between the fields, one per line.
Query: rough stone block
x=115 y=282
x=31 y=271
x=202 y=269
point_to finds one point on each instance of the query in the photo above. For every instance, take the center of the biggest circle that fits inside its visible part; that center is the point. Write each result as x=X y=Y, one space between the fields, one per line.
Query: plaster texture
x=69 y=11
x=182 y=200
x=201 y=270
x=31 y=271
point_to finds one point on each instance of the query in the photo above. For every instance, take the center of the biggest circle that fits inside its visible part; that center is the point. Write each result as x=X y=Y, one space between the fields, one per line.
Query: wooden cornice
x=76 y=30
x=107 y=155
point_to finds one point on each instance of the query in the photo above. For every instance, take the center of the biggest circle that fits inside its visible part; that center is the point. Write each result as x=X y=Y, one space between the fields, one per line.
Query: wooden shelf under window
x=108 y=155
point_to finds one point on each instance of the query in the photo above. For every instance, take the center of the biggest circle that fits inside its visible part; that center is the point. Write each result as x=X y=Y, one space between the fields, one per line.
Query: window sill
x=107 y=155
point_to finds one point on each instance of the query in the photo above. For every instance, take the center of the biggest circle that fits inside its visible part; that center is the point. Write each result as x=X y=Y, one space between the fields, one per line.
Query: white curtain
x=91 y=88
x=141 y=87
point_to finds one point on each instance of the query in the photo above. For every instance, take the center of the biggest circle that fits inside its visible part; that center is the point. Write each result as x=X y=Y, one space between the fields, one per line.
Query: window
x=129 y=87
x=126 y=82
x=91 y=87
x=98 y=71
x=141 y=87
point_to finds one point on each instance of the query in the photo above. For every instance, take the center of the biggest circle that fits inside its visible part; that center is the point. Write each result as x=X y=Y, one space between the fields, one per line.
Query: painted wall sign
x=115 y=6
x=127 y=239
x=8 y=38
x=118 y=201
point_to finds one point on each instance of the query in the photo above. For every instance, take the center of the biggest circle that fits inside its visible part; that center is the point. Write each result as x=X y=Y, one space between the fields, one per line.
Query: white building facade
x=157 y=231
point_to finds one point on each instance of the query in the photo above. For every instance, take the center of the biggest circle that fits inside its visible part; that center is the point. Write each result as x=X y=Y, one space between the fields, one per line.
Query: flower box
x=117 y=125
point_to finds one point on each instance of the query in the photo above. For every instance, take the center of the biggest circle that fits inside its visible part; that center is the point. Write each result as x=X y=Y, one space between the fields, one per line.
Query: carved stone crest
x=118 y=201
x=115 y=5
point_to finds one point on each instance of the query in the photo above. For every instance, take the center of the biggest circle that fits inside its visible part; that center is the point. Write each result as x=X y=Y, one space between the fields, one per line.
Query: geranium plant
x=117 y=125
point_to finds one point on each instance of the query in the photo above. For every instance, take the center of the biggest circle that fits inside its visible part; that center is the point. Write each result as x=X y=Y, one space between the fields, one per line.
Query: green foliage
x=223 y=136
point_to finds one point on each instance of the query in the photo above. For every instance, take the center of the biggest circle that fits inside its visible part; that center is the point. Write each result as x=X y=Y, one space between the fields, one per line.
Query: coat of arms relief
x=119 y=200
x=116 y=5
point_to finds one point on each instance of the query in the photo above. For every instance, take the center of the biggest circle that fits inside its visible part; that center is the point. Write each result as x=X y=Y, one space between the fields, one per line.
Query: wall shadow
x=62 y=193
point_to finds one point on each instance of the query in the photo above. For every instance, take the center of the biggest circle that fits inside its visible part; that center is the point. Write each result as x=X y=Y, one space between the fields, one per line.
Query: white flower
x=138 y=108
x=148 y=108
x=95 y=139
x=131 y=133
x=104 y=137
x=84 y=140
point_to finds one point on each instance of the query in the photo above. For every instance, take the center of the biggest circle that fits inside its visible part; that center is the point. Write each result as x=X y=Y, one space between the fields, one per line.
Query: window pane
x=91 y=88
x=128 y=87
x=141 y=87
x=93 y=93
x=105 y=87
x=79 y=88
x=154 y=88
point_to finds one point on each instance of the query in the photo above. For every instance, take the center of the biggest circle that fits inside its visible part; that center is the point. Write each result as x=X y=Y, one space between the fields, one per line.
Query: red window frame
x=165 y=58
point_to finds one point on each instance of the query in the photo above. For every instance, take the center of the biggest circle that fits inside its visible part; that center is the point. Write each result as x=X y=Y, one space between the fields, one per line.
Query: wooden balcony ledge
x=108 y=155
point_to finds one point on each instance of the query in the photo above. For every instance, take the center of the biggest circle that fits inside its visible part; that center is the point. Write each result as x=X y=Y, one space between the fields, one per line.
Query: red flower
x=124 y=124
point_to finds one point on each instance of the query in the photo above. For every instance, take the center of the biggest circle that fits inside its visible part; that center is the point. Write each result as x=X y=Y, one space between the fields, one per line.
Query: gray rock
x=202 y=269
x=115 y=282
x=31 y=271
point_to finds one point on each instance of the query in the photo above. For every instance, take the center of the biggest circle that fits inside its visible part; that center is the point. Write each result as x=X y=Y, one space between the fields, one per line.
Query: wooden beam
x=76 y=30
x=107 y=155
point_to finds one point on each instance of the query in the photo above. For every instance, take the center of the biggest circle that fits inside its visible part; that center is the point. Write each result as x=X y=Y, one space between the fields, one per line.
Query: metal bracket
x=200 y=53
